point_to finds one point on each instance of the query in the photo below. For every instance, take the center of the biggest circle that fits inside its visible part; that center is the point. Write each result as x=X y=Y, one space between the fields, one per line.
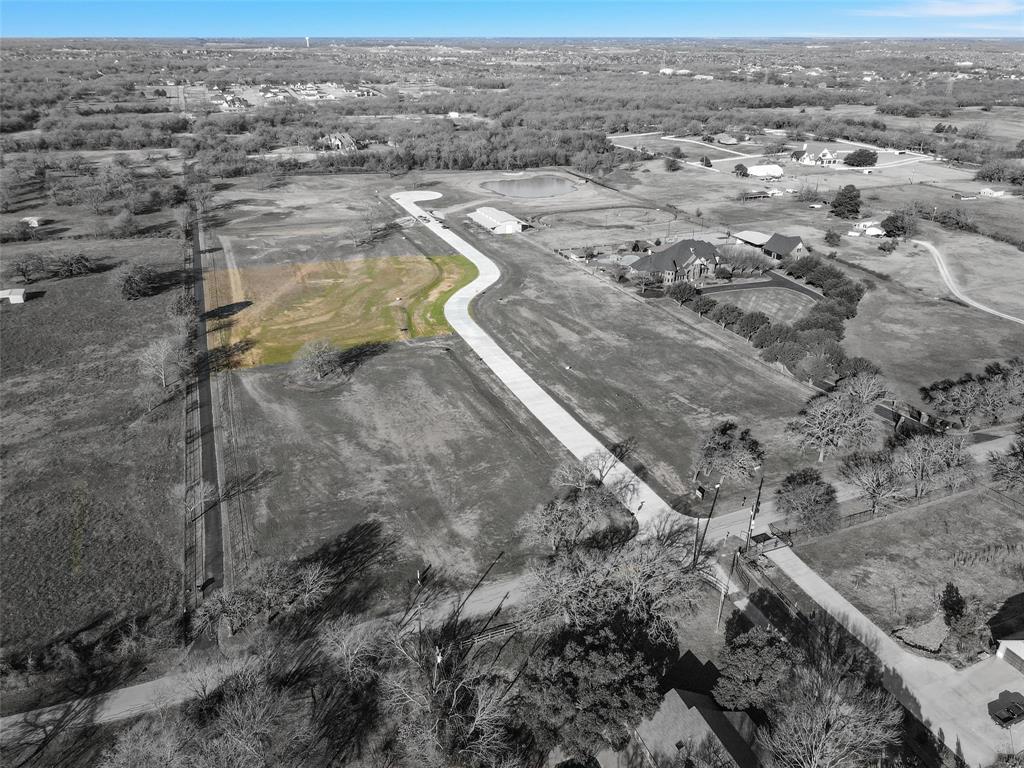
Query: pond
x=531 y=186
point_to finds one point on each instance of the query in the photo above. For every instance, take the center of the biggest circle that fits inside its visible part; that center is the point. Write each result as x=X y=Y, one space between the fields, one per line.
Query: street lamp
x=755 y=508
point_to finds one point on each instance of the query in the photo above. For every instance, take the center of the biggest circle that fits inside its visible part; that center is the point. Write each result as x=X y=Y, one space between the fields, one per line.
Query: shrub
x=318 y=358
x=72 y=264
x=833 y=238
x=888 y=246
x=901 y=223
x=671 y=164
x=953 y=604
x=135 y=281
x=723 y=273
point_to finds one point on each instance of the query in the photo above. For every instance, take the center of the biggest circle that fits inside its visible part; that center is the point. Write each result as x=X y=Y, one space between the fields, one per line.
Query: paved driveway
x=952 y=703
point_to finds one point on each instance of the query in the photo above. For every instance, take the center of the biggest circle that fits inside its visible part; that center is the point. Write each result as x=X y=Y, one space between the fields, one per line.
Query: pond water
x=531 y=186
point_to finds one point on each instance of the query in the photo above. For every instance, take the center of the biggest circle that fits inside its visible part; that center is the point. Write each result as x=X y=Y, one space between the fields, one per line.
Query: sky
x=512 y=18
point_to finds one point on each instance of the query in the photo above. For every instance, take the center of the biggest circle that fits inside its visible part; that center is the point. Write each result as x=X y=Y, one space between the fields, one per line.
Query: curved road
x=947 y=278
x=635 y=494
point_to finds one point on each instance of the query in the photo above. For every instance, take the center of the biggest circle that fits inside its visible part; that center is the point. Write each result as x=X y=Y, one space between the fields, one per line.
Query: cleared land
x=895 y=569
x=90 y=531
x=416 y=434
x=781 y=305
x=347 y=303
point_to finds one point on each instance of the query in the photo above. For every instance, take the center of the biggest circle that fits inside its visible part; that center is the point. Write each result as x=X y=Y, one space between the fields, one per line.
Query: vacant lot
x=421 y=437
x=781 y=305
x=90 y=533
x=895 y=569
x=633 y=369
x=917 y=339
x=416 y=433
x=344 y=302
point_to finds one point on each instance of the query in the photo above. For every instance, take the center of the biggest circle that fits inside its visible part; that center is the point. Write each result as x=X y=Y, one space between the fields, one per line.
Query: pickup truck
x=1009 y=715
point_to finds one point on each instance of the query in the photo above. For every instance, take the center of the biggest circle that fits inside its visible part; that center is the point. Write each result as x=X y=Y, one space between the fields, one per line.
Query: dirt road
x=947 y=278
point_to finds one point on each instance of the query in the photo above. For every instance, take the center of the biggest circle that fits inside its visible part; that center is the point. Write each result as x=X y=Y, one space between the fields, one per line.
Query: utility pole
x=754 y=510
x=698 y=544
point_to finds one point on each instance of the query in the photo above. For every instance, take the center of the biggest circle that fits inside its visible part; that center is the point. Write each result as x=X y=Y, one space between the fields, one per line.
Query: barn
x=498 y=222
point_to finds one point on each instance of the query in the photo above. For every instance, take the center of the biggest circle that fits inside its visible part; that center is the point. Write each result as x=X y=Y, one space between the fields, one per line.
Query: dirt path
x=947 y=278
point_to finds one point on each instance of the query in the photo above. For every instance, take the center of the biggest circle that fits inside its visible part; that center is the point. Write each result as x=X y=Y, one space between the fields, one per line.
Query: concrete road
x=635 y=494
x=947 y=278
x=951 y=703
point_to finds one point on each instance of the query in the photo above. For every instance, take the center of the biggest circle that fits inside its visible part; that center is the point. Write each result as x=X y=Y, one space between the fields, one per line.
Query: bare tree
x=830 y=717
x=806 y=499
x=864 y=388
x=353 y=646
x=1008 y=468
x=155 y=359
x=27 y=268
x=566 y=523
x=314 y=582
x=930 y=461
x=183 y=218
x=201 y=196
x=831 y=422
x=651 y=580
x=875 y=475
x=318 y=358
x=733 y=454
x=580 y=475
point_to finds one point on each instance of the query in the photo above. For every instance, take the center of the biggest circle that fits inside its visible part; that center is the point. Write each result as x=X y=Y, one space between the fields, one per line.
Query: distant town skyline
x=512 y=18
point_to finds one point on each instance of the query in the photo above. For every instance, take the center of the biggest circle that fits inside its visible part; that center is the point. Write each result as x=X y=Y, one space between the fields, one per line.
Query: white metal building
x=770 y=171
x=499 y=222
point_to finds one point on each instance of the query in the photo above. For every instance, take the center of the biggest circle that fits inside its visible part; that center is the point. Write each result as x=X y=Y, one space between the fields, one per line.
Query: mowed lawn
x=781 y=305
x=345 y=302
x=89 y=530
x=895 y=569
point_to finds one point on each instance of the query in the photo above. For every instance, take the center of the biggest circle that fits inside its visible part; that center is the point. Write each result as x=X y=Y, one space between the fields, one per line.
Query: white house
x=13 y=295
x=770 y=171
x=986 y=192
x=498 y=222
x=826 y=157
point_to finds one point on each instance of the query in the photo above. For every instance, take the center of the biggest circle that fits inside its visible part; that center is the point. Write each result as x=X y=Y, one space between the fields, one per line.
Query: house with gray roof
x=685 y=260
x=781 y=246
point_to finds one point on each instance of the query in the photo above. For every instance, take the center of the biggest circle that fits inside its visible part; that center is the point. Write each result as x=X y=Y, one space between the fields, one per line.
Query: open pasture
x=91 y=532
x=895 y=569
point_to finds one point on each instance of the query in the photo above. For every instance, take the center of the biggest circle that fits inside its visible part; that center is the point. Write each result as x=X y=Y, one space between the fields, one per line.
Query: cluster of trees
x=1007 y=171
x=1008 y=468
x=846 y=203
x=38 y=267
x=105 y=131
x=842 y=418
x=597 y=636
x=822 y=700
x=988 y=395
x=809 y=348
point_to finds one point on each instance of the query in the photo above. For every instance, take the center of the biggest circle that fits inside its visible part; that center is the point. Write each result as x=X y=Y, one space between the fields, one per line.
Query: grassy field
x=895 y=569
x=88 y=529
x=345 y=302
x=781 y=305
x=918 y=338
x=421 y=437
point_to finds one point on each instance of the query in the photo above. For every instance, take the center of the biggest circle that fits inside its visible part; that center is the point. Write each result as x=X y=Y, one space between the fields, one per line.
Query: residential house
x=725 y=138
x=340 y=142
x=986 y=192
x=781 y=246
x=686 y=724
x=685 y=260
x=827 y=157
